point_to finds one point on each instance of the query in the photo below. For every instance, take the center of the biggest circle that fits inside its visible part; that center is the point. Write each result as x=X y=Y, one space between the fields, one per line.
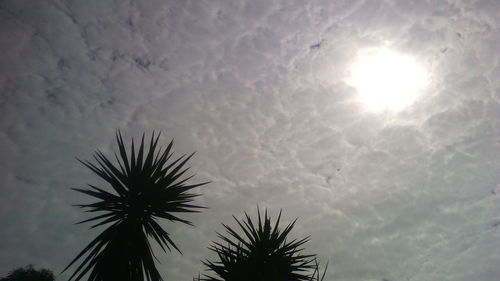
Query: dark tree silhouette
x=145 y=187
x=28 y=273
x=261 y=253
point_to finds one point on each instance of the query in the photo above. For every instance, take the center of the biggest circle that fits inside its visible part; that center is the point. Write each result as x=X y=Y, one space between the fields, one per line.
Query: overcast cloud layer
x=258 y=89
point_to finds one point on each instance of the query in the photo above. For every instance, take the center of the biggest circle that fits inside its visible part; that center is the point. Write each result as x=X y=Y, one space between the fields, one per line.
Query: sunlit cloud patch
x=387 y=80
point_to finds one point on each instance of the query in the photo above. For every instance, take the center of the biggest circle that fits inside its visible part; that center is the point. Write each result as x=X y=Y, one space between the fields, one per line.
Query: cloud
x=385 y=196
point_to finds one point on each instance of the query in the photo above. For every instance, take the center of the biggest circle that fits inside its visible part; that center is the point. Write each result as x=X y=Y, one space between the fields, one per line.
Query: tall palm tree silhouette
x=146 y=187
x=261 y=253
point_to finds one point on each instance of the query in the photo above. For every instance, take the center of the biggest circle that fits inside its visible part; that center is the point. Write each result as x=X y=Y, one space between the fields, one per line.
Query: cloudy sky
x=376 y=123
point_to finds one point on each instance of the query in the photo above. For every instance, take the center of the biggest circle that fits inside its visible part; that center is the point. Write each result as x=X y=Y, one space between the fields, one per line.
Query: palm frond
x=316 y=274
x=145 y=187
x=260 y=253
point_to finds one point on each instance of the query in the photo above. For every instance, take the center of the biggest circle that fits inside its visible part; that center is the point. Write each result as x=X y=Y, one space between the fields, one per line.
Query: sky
x=375 y=123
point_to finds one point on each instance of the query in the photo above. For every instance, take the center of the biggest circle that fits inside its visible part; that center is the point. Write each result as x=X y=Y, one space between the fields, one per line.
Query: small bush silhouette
x=28 y=273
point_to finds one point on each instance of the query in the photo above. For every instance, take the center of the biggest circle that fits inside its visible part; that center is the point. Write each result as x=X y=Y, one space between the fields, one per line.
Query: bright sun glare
x=387 y=80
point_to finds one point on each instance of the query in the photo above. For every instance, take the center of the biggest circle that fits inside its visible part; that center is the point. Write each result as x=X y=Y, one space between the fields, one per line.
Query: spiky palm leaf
x=315 y=276
x=261 y=253
x=147 y=187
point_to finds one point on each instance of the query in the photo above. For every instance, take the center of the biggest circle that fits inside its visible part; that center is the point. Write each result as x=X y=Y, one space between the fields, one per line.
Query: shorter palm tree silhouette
x=261 y=253
x=145 y=187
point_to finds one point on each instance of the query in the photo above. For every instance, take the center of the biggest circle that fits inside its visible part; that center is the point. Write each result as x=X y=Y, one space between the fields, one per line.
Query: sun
x=387 y=80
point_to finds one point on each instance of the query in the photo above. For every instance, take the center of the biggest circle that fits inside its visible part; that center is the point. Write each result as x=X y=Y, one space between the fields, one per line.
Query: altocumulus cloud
x=259 y=89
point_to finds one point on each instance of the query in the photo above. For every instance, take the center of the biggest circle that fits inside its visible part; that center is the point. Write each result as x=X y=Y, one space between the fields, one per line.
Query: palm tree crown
x=261 y=253
x=145 y=187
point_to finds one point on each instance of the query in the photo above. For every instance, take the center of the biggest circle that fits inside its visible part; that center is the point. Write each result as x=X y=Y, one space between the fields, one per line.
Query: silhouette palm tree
x=261 y=253
x=147 y=187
